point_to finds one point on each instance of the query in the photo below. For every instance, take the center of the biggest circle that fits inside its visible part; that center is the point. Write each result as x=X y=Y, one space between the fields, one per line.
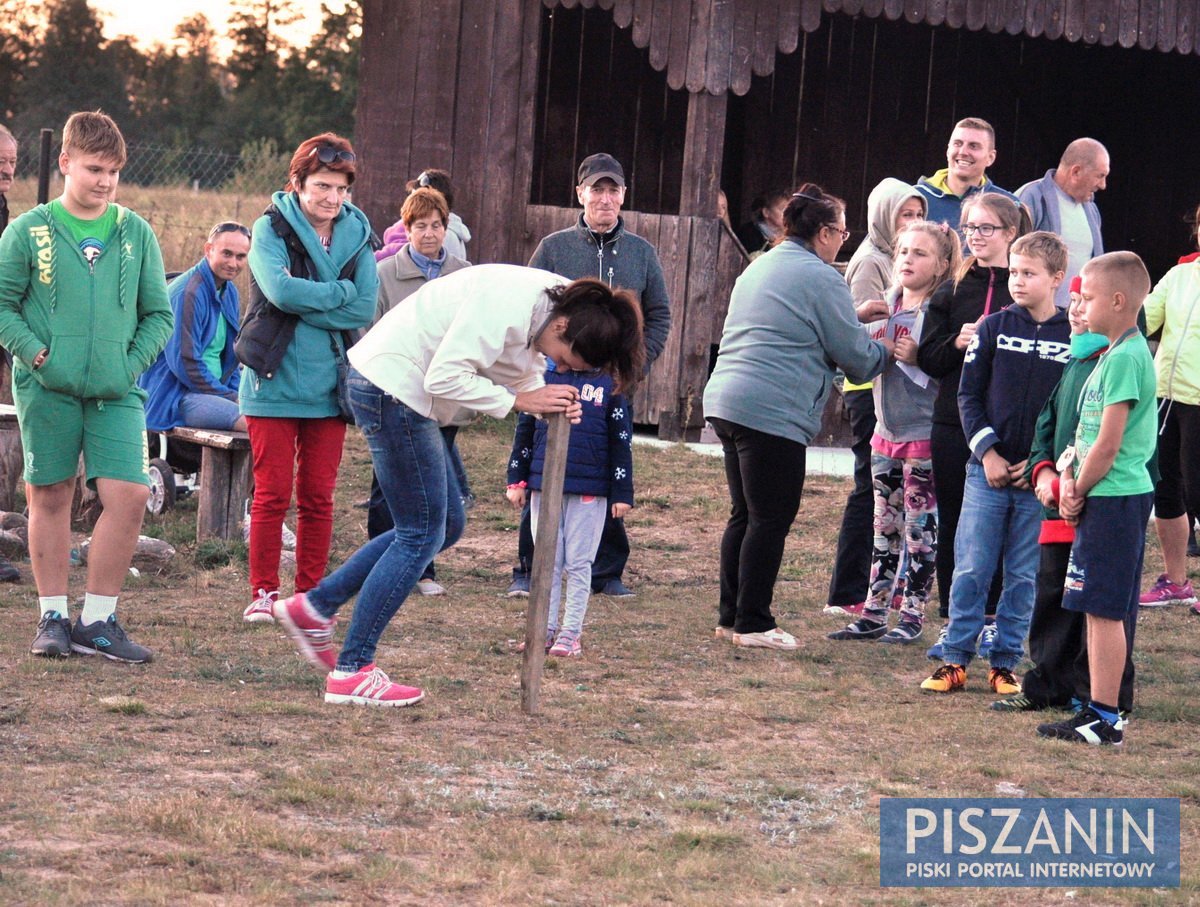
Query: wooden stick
x=544 y=545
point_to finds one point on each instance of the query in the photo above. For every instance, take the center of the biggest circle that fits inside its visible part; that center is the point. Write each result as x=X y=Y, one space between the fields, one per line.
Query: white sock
x=342 y=675
x=97 y=608
x=55 y=603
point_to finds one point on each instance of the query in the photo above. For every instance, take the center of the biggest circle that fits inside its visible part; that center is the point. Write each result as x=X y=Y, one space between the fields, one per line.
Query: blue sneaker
x=987 y=639
x=934 y=652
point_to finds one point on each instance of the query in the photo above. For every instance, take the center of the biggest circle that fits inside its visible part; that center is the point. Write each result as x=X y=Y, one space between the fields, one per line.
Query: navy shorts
x=1104 y=574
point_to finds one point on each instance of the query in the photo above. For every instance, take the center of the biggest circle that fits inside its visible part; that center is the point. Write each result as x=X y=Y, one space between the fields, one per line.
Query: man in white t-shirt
x=1062 y=202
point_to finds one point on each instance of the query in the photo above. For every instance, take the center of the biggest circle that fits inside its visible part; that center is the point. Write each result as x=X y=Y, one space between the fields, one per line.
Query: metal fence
x=257 y=169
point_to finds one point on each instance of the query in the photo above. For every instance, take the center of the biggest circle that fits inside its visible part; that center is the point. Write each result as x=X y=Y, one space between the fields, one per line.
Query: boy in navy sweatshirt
x=599 y=479
x=1012 y=365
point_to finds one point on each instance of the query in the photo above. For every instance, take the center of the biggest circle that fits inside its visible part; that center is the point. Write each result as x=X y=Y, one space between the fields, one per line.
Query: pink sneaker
x=855 y=610
x=312 y=633
x=567 y=645
x=1164 y=593
x=370 y=686
x=262 y=609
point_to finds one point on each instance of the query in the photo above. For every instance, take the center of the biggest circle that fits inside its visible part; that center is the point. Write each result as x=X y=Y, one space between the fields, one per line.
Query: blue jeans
x=416 y=472
x=993 y=520
x=208 y=411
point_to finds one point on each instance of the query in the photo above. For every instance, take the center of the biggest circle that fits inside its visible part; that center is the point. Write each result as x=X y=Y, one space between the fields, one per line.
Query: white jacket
x=462 y=344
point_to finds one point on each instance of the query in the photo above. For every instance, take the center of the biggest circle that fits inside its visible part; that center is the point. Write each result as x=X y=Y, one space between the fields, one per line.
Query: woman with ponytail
x=791 y=322
x=475 y=341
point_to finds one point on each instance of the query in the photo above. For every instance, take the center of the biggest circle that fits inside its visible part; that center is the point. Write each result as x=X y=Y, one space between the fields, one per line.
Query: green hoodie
x=104 y=323
x=305 y=385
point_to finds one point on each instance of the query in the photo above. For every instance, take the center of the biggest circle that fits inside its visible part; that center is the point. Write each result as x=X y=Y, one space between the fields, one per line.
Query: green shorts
x=56 y=428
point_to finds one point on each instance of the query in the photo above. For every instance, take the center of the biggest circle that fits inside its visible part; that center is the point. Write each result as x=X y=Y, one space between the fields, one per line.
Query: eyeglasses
x=844 y=233
x=327 y=154
x=984 y=230
x=228 y=226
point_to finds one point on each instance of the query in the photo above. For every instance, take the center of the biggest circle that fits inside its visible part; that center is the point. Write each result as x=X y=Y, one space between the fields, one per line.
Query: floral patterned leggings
x=905 y=517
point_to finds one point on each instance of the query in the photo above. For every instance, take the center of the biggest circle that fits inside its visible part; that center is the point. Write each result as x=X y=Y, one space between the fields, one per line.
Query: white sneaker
x=262 y=609
x=286 y=536
x=430 y=587
x=767 y=639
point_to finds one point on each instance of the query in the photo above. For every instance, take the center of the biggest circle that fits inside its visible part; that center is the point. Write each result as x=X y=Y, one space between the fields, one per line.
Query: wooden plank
x=766 y=16
x=995 y=15
x=703 y=150
x=513 y=249
x=433 y=107
x=1148 y=24
x=623 y=13
x=1127 y=31
x=1073 y=23
x=696 y=330
x=935 y=12
x=499 y=133
x=224 y=487
x=677 y=55
x=661 y=386
x=660 y=35
x=872 y=9
x=719 y=68
x=1036 y=13
x=742 y=52
x=1015 y=16
x=956 y=13
x=558 y=436
x=384 y=110
x=218 y=440
x=788 y=29
x=697 y=61
x=976 y=14
x=1056 y=18
x=810 y=15
x=643 y=19
x=1185 y=26
x=1093 y=17
x=472 y=119
x=1167 y=19
x=914 y=11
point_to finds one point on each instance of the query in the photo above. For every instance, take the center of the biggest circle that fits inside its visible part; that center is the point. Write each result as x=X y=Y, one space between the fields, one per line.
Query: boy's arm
x=620 y=455
x=185 y=355
x=155 y=318
x=973 y=392
x=15 y=270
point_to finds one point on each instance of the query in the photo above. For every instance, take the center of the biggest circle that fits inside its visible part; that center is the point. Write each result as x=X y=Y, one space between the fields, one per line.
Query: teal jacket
x=305 y=385
x=104 y=323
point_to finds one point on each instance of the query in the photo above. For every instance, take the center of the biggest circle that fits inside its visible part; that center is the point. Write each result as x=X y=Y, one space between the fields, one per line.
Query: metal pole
x=554 y=473
x=43 y=194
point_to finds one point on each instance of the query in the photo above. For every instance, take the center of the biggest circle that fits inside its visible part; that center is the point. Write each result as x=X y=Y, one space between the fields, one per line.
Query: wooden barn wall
x=450 y=84
x=597 y=92
x=862 y=99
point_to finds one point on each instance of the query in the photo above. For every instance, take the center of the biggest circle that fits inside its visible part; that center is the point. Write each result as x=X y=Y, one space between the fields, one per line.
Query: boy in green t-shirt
x=1106 y=489
x=84 y=311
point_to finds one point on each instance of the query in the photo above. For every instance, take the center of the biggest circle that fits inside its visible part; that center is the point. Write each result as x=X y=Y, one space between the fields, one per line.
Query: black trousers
x=950 y=456
x=1058 y=641
x=765 y=474
x=852 y=562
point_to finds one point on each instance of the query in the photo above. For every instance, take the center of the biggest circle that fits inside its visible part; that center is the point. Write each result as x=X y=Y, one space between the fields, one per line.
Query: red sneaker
x=370 y=686
x=312 y=633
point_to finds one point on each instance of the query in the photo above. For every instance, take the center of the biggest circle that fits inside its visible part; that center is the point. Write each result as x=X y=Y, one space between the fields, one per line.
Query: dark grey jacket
x=619 y=258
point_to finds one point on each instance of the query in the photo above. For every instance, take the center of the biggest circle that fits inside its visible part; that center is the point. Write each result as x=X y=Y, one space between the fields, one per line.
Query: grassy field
x=666 y=767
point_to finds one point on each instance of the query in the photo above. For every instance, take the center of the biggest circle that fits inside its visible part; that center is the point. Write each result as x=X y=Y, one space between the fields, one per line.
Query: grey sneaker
x=108 y=639
x=519 y=588
x=53 y=638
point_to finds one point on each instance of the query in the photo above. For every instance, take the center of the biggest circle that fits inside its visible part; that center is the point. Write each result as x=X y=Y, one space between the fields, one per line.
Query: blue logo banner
x=1014 y=842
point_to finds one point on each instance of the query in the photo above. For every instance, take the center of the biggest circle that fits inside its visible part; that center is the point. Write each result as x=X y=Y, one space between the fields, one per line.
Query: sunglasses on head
x=327 y=154
x=228 y=226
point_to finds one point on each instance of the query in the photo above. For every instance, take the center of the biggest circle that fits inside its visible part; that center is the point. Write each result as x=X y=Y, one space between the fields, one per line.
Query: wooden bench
x=225 y=479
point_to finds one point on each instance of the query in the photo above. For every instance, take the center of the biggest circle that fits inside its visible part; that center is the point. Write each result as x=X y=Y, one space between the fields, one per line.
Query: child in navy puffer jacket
x=599 y=476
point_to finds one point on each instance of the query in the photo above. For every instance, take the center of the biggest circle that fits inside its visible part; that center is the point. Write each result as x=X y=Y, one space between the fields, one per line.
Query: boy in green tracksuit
x=84 y=311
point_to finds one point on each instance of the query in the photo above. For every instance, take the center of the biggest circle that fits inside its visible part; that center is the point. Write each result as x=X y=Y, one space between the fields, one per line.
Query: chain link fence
x=181 y=191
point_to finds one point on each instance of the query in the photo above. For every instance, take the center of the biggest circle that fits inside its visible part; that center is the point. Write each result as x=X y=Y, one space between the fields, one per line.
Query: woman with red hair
x=313 y=277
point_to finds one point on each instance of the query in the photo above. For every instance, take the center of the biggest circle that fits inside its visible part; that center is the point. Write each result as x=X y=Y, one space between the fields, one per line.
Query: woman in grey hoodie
x=891 y=206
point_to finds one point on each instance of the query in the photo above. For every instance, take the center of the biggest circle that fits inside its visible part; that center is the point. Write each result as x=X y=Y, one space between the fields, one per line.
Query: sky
x=155 y=21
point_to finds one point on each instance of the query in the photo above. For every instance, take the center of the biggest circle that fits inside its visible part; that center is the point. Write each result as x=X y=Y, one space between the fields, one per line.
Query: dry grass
x=666 y=767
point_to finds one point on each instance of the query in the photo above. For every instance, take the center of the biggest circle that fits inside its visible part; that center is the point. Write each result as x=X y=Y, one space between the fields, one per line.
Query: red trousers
x=308 y=452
